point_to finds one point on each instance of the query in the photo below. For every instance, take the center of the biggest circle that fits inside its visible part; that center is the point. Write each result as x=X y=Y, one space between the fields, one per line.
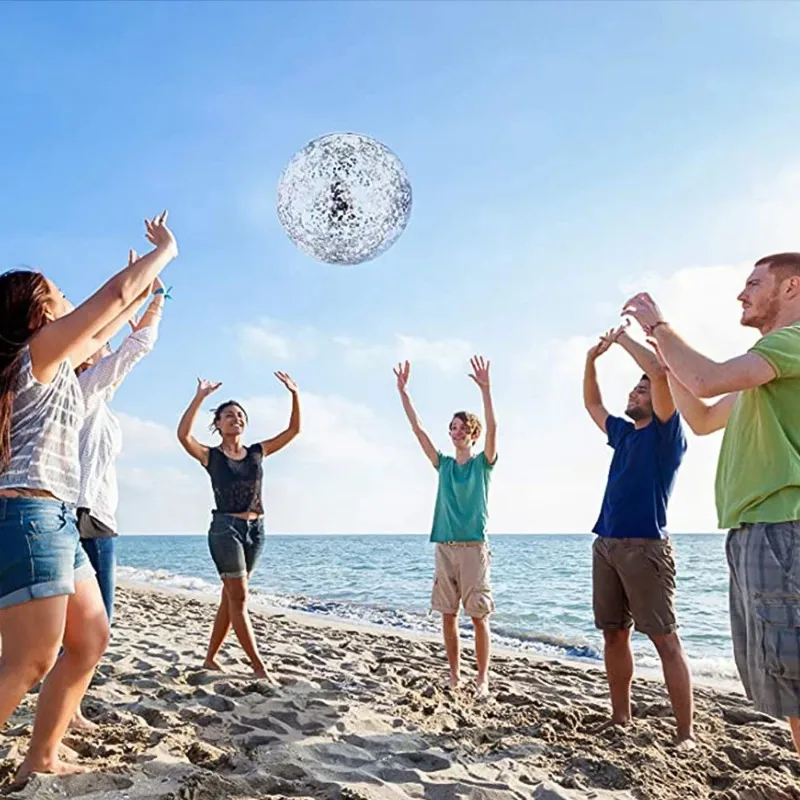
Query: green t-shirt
x=758 y=473
x=462 y=511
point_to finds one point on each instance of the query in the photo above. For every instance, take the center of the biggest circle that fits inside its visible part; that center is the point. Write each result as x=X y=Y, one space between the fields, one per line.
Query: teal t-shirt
x=462 y=508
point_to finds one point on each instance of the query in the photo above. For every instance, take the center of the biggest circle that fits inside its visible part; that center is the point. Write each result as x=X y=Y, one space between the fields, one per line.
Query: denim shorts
x=40 y=550
x=235 y=544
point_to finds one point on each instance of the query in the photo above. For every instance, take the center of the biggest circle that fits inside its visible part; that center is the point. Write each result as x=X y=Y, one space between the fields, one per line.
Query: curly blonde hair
x=472 y=422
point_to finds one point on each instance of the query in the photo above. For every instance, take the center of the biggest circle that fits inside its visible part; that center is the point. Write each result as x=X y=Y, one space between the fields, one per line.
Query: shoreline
x=313 y=619
x=353 y=714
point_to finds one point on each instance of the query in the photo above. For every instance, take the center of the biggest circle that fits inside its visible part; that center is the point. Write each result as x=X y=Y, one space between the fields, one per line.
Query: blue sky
x=557 y=152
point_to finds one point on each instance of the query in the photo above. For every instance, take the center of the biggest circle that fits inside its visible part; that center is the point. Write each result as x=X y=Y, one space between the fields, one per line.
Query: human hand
x=480 y=371
x=401 y=372
x=205 y=388
x=287 y=382
x=644 y=310
x=605 y=341
x=159 y=234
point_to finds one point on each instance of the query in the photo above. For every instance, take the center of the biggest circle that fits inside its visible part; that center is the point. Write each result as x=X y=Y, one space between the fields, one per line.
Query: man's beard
x=636 y=414
x=767 y=315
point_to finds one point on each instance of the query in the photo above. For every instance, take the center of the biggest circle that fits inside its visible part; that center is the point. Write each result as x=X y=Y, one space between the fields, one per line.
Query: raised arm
x=702 y=376
x=480 y=374
x=701 y=417
x=270 y=446
x=73 y=336
x=155 y=309
x=647 y=361
x=402 y=371
x=185 y=437
x=592 y=399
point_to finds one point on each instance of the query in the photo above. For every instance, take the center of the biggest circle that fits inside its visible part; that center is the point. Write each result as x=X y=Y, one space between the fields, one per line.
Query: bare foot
x=29 y=768
x=80 y=723
x=453 y=681
x=211 y=663
x=685 y=744
x=610 y=724
x=482 y=689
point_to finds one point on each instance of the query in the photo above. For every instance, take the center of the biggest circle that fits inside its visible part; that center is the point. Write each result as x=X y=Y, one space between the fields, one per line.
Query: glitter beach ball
x=344 y=198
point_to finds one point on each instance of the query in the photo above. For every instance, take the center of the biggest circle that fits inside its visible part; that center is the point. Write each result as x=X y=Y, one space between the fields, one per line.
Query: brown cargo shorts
x=633 y=582
x=462 y=576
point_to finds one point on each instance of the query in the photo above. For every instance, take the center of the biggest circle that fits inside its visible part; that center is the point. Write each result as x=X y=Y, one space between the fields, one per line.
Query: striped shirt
x=101 y=435
x=45 y=422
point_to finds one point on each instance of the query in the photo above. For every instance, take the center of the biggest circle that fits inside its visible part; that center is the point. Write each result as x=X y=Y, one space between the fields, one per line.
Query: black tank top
x=236 y=484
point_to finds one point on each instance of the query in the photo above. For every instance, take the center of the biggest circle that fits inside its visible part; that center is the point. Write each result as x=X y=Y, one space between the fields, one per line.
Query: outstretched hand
x=644 y=310
x=286 y=380
x=480 y=371
x=159 y=234
x=611 y=336
x=205 y=388
x=401 y=372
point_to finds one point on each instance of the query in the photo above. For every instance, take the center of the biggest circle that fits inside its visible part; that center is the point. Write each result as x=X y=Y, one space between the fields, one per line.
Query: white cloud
x=272 y=339
x=143 y=437
x=448 y=355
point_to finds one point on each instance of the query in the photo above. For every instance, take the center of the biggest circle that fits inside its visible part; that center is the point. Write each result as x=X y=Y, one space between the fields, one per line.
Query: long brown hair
x=23 y=298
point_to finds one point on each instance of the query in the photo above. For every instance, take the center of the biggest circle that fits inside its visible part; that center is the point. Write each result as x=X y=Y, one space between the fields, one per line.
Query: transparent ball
x=344 y=198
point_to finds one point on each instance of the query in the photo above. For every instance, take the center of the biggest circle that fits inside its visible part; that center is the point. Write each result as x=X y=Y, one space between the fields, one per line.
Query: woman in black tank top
x=236 y=535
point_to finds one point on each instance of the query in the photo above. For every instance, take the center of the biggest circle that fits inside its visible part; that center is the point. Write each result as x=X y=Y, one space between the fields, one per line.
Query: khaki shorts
x=462 y=576
x=633 y=582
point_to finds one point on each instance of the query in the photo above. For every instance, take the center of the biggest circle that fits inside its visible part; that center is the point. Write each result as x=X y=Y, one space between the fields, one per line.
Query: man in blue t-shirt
x=633 y=569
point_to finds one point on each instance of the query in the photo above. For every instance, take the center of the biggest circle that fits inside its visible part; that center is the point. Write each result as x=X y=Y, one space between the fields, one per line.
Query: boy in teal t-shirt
x=459 y=523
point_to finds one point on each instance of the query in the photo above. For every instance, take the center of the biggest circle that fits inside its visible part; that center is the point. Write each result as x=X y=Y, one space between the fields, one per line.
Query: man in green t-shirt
x=459 y=523
x=758 y=473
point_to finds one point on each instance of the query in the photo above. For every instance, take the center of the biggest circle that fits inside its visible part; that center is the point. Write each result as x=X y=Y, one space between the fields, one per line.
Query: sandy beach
x=355 y=714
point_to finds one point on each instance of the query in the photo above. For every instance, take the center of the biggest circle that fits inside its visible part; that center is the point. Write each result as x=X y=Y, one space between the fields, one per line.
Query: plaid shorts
x=764 y=561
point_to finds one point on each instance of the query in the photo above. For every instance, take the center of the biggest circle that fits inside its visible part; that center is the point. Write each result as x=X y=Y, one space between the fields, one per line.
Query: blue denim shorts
x=235 y=544
x=40 y=550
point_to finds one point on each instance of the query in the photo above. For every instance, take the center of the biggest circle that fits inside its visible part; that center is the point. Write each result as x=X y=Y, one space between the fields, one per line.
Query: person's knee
x=32 y=666
x=668 y=646
x=237 y=596
x=617 y=637
x=481 y=623
x=450 y=620
x=88 y=646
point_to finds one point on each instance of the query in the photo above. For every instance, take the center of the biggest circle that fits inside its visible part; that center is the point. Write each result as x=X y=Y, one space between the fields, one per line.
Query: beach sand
x=360 y=714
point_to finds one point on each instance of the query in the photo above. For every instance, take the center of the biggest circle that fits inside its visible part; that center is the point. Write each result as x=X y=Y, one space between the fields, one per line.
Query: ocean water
x=542 y=588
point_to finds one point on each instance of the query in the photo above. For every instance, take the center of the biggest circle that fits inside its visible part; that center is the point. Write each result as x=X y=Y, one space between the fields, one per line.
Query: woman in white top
x=49 y=598
x=101 y=442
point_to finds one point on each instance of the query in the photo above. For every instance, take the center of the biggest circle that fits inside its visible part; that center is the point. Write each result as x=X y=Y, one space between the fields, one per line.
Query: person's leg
x=483 y=649
x=31 y=633
x=103 y=558
x=678 y=678
x=769 y=577
x=236 y=590
x=452 y=646
x=222 y=624
x=85 y=640
x=445 y=598
x=475 y=582
x=612 y=616
x=647 y=570
x=794 y=725
x=618 y=658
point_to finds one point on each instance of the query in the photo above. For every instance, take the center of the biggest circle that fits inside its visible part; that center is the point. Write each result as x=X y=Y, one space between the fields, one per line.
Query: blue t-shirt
x=640 y=478
x=462 y=501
